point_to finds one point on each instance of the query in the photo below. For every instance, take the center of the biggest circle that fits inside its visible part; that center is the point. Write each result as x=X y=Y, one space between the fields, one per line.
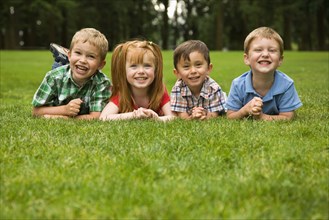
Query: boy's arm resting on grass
x=252 y=108
x=51 y=112
x=91 y=115
x=183 y=115
x=63 y=111
x=212 y=115
x=242 y=114
x=187 y=116
x=280 y=116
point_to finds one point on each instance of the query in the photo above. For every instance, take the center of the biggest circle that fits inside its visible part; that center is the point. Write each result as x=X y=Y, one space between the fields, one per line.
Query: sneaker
x=59 y=53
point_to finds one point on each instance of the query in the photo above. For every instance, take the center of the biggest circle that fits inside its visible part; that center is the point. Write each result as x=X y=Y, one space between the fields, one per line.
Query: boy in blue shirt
x=263 y=93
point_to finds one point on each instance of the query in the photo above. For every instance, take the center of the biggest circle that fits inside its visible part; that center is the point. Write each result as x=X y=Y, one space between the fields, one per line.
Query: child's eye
x=258 y=50
x=77 y=52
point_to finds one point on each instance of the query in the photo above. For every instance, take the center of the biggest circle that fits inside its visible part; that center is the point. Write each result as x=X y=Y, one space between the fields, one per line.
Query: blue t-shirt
x=282 y=97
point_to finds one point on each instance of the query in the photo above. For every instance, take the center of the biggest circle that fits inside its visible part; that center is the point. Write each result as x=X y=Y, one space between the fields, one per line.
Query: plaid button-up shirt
x=58 y=88
x=211 y=98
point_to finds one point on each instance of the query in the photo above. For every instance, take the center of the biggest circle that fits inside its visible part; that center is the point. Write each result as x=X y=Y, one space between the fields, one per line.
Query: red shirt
x=164 y=100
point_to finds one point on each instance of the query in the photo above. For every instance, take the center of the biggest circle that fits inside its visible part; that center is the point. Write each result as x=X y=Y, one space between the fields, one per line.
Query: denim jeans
x=56 y=64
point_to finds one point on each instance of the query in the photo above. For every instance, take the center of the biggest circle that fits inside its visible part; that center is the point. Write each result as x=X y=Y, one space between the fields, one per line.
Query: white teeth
x=82 y=68
x=264 y=62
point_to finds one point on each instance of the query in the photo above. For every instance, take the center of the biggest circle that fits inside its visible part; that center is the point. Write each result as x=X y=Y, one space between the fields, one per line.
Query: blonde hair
x=94 y=37
x=121 y=86
x=263 y=32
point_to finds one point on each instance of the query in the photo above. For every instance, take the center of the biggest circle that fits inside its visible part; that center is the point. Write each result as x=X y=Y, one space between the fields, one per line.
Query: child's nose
x=193 y=69
x=83 y=59
x=265 y=53
x=140 y=69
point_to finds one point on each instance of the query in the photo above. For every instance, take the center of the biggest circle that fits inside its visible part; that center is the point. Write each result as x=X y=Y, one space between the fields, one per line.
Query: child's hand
x=255 y=107
x=150 y=113
x=144 y=113
x=73 y=107
x=199 y=113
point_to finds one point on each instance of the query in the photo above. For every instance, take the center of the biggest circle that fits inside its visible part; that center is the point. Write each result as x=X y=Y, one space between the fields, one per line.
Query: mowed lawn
x=144 y=169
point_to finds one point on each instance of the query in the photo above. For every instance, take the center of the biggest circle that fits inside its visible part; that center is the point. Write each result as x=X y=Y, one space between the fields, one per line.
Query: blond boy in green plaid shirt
x=77 y=90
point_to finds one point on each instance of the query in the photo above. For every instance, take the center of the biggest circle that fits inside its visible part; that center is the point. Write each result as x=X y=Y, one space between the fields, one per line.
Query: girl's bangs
x=137 y=55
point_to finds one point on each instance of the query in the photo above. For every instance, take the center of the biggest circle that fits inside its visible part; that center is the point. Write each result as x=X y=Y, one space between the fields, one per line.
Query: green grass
x=69 y=169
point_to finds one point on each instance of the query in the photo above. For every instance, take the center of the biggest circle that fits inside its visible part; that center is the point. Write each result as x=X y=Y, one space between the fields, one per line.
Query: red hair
x=121 y=86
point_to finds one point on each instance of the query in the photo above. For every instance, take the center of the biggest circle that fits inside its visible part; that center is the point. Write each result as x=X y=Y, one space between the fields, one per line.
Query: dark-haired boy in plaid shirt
x=78 y=90
x=195 y=95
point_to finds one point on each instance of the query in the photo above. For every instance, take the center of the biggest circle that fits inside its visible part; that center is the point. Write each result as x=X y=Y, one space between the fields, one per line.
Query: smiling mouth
x=141 y=78
x=82 y=68
x=264 y=62
x=194 y=78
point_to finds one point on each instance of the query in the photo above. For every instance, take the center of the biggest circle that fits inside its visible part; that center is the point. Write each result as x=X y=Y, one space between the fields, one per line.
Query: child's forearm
x=90 y=116
x=56 y=116
x=212 y=115
x=49 y=110
x=121 y=116
x=183 y=115
x=237 y=114
x=167 y=117
x=281 y=116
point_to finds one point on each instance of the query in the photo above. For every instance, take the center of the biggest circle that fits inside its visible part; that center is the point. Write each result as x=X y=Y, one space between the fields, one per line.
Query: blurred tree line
x=221 y=24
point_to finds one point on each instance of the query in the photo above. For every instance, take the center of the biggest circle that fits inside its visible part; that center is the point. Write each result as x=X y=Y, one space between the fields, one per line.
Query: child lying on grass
x=79 y=89
x=263 y=92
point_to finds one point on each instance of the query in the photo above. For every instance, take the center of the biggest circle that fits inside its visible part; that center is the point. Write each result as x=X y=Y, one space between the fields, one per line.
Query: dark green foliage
x=221 y=24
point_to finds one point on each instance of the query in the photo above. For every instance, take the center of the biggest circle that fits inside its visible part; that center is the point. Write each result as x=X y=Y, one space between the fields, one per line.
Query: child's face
x=85 y=60
x=263 y=56
x=140 y=75
x=194 y=71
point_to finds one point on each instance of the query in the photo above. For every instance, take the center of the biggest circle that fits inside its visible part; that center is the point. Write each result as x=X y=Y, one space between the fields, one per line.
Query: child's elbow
x=289 y=115
x=35 y=112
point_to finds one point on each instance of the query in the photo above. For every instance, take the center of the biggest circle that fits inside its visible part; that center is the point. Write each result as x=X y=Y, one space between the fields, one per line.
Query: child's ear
x=280 y=60
x=101 y=65
x=210 y=68
x=177 y=74
x=69 y=55
x=246 y=59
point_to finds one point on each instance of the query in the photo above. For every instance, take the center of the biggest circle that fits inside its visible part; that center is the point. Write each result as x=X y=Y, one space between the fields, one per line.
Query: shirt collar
x=269 y=94
x=249 y=87
x=205 y=90
x=69 y=76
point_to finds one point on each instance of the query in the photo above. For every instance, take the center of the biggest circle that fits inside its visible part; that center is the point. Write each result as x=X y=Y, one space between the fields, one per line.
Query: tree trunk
x=64 y=38
x=321 y=30
x=165 y=27
x=219 y=26
x=187 y=26
x=11 y=40
x=287 y=30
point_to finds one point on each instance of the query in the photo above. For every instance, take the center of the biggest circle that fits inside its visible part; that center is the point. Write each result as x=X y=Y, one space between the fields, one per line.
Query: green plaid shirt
x=58 y=88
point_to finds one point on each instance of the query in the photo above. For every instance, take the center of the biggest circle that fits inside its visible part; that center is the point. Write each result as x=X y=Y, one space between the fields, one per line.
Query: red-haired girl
x=138 y=90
